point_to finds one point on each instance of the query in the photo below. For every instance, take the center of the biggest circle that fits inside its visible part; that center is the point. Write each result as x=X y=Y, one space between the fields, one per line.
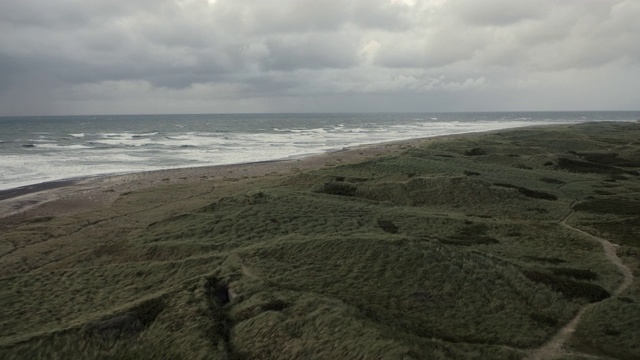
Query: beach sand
x=70 y=196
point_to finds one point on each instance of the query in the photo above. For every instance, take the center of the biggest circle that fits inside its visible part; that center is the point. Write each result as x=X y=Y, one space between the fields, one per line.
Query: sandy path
x=554 y=348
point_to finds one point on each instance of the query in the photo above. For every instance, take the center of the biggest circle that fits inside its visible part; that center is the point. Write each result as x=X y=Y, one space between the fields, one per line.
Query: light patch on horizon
x=148 y=56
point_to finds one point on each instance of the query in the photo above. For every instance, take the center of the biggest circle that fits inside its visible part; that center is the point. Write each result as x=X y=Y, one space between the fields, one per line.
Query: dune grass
x=449 y=249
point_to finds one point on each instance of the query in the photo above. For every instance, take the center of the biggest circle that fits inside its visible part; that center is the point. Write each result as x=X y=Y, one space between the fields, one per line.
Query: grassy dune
x=449 y=249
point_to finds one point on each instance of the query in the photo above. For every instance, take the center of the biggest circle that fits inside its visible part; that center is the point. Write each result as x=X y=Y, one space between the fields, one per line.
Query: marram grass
x=452 y=249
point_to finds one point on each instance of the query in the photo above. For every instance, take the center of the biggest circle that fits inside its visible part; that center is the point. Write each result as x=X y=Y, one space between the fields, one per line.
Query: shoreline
x=68 y=196
x=73 y=195
x=24 y=187
x=35 y=188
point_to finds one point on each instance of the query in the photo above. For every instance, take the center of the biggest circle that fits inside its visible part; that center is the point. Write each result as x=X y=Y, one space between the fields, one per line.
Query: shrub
x=475 y=152
x=569 y=288
x=338 y=188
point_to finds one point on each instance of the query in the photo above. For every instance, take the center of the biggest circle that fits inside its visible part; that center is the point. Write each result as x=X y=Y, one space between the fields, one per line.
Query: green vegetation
x=624 y=207
x=448 y=249
x=611 y=328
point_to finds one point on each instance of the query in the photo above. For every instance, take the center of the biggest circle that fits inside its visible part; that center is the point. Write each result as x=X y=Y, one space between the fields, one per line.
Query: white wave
x=178 y=137
x=79 y=135
x=111 y=135
x=63 y=147
x=43 y=170
x=125 y=141
x=144 y=134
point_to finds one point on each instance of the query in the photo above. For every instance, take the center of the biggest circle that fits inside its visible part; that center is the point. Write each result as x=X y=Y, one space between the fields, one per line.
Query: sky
x=81 y=57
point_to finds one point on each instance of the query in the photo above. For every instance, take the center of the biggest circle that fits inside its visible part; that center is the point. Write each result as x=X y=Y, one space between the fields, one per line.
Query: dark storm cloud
x=254 y=55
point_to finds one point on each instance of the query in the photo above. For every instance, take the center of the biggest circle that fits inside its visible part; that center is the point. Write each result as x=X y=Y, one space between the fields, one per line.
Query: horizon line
x=320 y=113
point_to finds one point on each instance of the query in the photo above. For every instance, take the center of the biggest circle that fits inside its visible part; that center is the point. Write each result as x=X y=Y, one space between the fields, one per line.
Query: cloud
x=254 y=55
x=499 y=13
x=310 y=51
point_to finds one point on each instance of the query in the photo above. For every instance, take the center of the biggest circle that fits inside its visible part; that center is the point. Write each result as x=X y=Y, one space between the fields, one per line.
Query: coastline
x=68 y=196
x=103 y=189
x=34 y=188
x=21 y=198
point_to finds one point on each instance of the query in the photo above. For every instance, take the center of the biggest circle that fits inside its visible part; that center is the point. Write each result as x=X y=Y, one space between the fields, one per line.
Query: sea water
x=40 y=149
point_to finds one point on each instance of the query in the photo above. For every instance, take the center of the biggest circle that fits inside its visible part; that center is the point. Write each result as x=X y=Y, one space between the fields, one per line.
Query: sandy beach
x=65 y=197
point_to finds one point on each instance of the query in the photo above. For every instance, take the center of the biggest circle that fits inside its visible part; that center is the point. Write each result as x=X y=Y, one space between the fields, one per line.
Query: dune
x=503 y=245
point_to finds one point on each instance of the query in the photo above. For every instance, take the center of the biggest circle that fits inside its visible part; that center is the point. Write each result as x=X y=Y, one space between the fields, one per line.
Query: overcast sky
x=218 y=56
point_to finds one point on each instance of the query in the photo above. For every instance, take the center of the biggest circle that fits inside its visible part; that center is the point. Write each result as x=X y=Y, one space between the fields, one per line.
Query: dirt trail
x=554 y=348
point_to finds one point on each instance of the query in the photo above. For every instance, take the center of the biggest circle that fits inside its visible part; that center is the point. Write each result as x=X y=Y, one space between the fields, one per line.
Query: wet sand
x=35 y=188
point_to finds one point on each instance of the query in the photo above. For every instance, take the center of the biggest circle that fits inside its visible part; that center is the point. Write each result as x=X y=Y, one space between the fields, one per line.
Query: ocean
x=41 y=149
